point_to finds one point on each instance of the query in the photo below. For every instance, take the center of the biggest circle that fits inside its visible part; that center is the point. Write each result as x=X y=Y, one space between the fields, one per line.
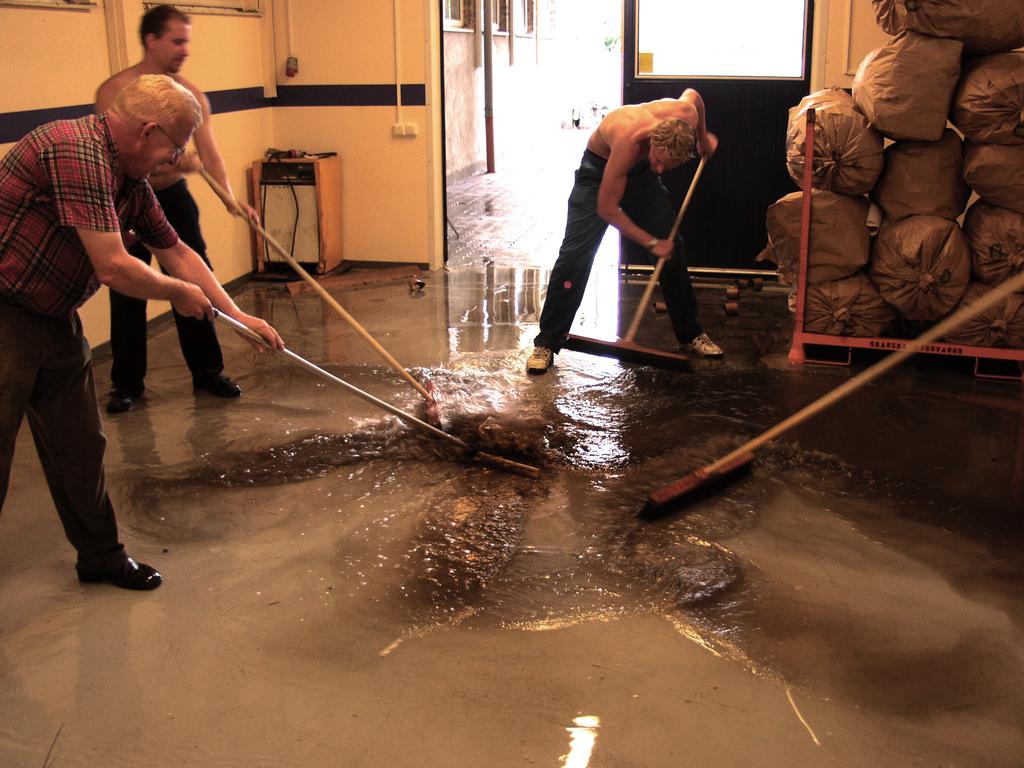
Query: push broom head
x=628 y=352
x=695 y=486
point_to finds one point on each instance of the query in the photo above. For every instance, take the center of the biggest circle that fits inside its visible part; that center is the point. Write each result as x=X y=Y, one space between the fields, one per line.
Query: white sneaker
x=540 y=360
x=702 y=346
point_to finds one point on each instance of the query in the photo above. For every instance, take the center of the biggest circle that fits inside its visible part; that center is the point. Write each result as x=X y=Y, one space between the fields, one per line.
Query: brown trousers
x=46 y=374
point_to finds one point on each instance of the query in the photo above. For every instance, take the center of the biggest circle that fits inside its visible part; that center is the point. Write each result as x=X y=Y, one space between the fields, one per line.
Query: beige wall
x=388 y=199
x=464 y=127
x=52 y=58
x=520 y=77
x=391 y=200
x=845 y=32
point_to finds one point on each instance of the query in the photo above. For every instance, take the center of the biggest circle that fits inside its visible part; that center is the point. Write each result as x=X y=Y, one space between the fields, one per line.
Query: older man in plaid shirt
x=71 y=193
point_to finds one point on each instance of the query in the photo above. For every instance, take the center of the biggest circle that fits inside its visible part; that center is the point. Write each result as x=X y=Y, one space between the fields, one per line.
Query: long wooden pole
x=744 y=453
x=222 y=193
x=642 y=308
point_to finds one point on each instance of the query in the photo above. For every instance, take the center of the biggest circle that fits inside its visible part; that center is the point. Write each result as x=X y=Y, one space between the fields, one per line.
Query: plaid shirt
x=61 y=176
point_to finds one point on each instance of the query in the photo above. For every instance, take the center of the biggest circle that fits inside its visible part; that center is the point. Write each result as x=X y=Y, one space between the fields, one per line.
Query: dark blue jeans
x=646 y=202
x=197 y=337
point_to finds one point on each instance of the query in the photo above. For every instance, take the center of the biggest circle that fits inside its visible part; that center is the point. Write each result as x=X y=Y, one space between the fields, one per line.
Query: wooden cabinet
x=299 y=202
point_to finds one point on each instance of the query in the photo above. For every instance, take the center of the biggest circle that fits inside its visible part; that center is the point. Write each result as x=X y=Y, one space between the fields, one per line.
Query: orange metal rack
x=802 y=339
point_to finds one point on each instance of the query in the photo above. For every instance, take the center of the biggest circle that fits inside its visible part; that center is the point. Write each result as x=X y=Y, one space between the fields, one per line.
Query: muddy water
x=431 y=538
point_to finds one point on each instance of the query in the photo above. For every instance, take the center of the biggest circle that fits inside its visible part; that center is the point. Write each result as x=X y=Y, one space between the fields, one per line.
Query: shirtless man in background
x=166 y=35
x=618 y=183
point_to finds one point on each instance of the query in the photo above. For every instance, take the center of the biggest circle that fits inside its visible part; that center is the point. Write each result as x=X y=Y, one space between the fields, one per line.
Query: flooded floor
x=343 y=590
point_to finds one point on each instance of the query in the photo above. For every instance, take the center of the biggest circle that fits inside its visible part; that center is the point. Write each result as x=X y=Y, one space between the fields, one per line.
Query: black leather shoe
x=120 y=401
x=131 y=575
x=218 y=386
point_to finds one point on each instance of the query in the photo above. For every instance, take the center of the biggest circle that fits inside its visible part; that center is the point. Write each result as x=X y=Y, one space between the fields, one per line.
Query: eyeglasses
x=178 y=149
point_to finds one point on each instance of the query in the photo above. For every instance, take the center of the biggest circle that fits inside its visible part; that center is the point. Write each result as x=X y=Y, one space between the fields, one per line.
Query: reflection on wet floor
x=583 y=737
x=499 y=305
x=858 y=572
x=485 y=548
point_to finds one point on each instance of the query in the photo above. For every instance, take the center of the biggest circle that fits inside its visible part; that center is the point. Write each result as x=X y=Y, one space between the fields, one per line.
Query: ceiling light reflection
x=582 y=737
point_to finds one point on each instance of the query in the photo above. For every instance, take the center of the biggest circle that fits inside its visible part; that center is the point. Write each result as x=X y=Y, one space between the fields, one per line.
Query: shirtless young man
x=618 y=183
x=165 y=33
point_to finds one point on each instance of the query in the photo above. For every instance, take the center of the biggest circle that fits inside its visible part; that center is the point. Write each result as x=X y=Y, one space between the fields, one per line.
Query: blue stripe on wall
x=14 y=125
x=348 y=95
x=237 y=100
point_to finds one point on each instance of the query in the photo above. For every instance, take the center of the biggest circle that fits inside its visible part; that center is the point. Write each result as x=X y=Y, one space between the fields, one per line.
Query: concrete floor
x=342 y=591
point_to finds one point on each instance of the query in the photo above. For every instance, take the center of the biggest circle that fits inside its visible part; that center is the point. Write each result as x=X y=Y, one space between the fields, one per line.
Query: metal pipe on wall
x=117 y=36
x=539 y=8
x=398 y=65
x=511 y=33
x=489 y=85
x=269 y=43
x=291 y=64
x=478 y=46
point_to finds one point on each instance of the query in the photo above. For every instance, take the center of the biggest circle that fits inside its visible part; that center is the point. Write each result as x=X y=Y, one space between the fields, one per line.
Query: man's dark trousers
x=46 y=375
x=648 y=204
x=198 y=338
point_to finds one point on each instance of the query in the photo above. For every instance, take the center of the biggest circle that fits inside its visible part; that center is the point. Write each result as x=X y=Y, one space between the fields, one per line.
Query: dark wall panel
x=725 y=224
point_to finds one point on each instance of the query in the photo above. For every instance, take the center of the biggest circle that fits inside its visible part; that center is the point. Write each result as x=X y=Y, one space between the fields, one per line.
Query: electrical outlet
x=405 y=129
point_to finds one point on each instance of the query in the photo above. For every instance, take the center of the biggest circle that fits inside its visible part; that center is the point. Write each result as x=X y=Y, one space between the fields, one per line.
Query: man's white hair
x=160 y=99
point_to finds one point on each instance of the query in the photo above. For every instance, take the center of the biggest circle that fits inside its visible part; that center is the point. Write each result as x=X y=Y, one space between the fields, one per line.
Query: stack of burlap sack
x=948 y=60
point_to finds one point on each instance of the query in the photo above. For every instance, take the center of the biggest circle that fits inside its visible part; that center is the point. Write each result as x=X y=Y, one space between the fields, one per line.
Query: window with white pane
x=738 y=39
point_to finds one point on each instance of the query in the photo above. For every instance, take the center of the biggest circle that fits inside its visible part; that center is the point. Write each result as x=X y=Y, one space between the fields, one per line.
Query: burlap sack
x=996 y=238
x=848 y=307
x=988 y=106
x=906 y=86
x=847 y=150
x=996 y=173
x=1001 y=325
x=840 y=243
x=984 y=26
x=921 y=265
x=923 y=177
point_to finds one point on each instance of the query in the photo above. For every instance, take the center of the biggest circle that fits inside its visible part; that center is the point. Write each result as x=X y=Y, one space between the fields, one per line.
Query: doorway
x=747 y=95
x=556 y=69
x=553 y=81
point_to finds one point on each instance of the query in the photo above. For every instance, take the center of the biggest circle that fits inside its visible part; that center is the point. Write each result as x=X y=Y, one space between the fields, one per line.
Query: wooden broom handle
x=639 y=314
x=223 y=194
x=958 y=318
